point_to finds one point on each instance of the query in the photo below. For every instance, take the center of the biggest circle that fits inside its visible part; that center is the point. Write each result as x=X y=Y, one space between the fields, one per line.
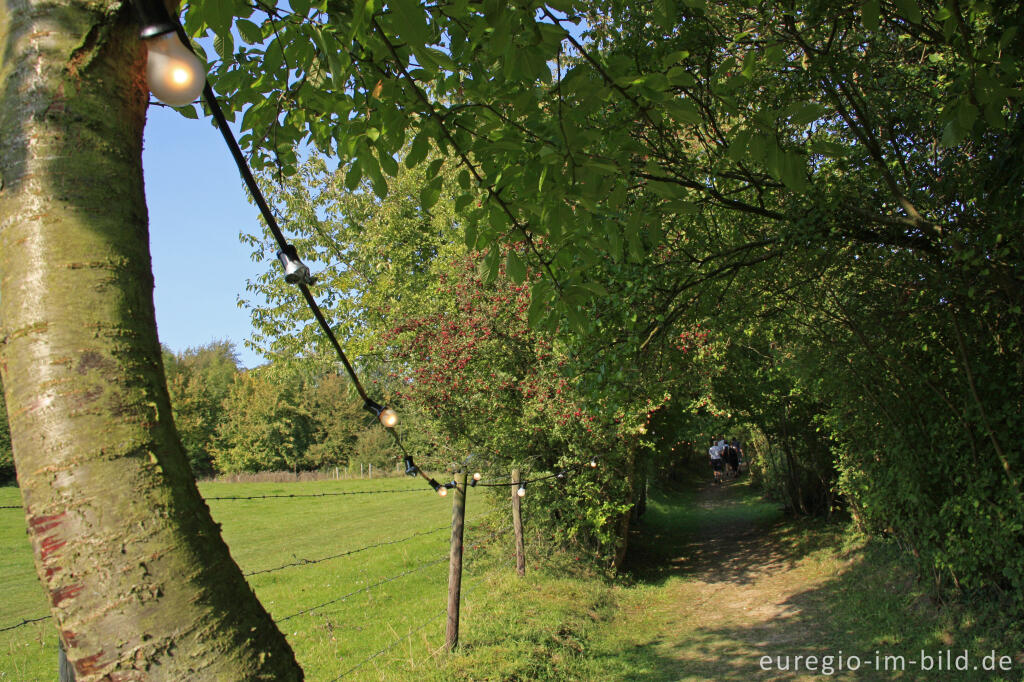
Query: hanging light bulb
x=174 y=74
x=476 y=479
x=593 y=462
x=560 y=475
x=438 y=488
x=388 y=417
x=522 y=490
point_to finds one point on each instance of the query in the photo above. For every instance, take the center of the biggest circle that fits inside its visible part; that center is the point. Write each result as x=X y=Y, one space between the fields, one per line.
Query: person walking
x=717 y=464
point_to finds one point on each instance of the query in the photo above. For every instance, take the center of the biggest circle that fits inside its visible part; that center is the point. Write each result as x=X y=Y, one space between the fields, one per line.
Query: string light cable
x=176 y=77
x=561 y=475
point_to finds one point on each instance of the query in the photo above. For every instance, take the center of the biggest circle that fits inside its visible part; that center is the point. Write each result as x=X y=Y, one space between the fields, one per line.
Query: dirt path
x=736 y=584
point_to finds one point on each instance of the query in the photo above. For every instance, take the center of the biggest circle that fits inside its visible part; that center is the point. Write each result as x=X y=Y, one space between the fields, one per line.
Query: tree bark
x=141 y=584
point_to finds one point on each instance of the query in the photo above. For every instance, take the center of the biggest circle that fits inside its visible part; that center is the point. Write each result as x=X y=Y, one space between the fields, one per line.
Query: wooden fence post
x=451 y=639
x=517 y=524
x=65 y=673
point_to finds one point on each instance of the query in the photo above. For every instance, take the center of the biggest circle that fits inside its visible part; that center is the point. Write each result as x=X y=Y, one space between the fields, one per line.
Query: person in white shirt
x=717 y=463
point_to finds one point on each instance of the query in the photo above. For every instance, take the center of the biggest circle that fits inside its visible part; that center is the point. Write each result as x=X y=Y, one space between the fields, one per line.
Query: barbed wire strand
x=480 y=545
x=350 y=492
x=363 y=589
x=307 y=562
x=23 y=623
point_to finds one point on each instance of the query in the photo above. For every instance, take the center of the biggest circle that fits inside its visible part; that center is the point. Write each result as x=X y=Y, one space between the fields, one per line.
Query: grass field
x=268 y=533
x=716 y=578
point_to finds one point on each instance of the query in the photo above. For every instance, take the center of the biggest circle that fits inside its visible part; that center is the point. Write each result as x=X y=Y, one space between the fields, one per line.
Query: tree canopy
x=827 y=192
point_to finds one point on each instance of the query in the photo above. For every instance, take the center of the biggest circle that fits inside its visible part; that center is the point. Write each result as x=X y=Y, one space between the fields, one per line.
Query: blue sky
x=197 y=207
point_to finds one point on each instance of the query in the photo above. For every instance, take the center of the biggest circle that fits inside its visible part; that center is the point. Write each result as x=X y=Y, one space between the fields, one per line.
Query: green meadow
x=716 y=579
x=412 y=530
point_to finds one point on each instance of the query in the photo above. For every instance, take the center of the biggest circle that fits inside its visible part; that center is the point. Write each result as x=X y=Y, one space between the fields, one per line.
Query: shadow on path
x=742 y=583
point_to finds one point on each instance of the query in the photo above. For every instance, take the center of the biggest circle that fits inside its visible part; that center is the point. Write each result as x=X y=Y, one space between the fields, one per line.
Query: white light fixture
x=385 y=415
x=175 y=75
x=388 y=417
x=522 y=490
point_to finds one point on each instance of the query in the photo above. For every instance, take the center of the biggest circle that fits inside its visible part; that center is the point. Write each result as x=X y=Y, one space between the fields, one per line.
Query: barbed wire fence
x=477 y=548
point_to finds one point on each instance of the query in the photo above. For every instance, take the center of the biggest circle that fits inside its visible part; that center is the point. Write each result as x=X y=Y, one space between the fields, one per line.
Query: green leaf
x=488 y=268
x=515 y=268
x=250 y=32
x=419 y=149
x=354 y=175
x=870 y=13
x=678 y=75
x=909 y=10
x=540 y=300
x=388 y=163
x=684 y=111
x=429 y=195
x=463 y=201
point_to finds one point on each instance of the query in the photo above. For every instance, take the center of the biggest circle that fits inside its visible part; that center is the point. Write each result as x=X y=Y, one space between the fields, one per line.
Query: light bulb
x=388 y=417
x=476 y=476
x=174 y=73
x=593 y=463
x=522 y=491
x=442 y=491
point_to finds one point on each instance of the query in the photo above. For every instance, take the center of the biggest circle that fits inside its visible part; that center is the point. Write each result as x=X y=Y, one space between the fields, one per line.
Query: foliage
x=199 y=380
x=339 y=423
x=829 y=189
x=264 y=429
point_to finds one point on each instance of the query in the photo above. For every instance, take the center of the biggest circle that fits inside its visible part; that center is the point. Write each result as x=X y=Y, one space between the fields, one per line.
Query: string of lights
x=334 y=494
x=308 y=562
x=367 y=588
x=23 y=623
x=176 y=77
x=560 y=475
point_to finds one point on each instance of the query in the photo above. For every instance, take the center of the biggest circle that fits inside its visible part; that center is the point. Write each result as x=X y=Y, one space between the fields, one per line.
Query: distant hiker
x=739 y=454
x=732 y=457
x=717 y=464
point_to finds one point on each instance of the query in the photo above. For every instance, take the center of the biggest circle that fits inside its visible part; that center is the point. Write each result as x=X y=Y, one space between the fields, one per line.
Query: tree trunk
x=141 y=584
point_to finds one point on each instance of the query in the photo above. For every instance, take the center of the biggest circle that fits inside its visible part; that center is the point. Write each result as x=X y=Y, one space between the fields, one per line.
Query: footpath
x=729 y=589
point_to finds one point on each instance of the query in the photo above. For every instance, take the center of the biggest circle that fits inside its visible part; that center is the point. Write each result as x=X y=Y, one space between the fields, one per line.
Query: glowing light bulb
x=174 y=74
x=593 y=462
x=522 y=490
x=442 y=491
x=476 y=476
x=388 y=417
